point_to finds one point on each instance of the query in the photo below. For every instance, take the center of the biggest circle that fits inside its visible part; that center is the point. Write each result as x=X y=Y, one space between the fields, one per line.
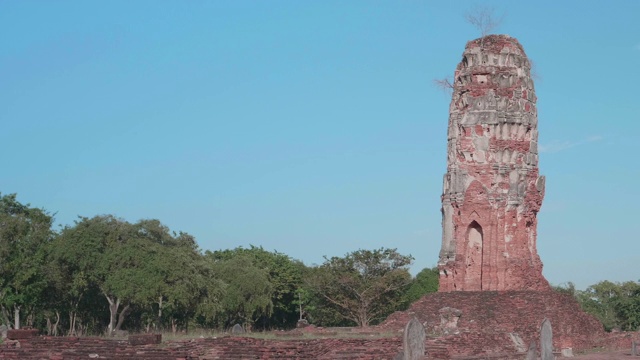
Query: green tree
x=599 y=300
x=425 y=282
x=142 y=269
x=627 y=306
x=248 y=291
x=363 y=286
x=285 y=276
x=303 y=301
x=115 y=257
x=24 y=233
x=568 y=288
x=187 y=285
x=74 y=257
x=119 y=259
x=616 y=305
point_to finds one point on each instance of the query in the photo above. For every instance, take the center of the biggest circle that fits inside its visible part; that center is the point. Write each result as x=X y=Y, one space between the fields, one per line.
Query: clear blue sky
x=312 y=127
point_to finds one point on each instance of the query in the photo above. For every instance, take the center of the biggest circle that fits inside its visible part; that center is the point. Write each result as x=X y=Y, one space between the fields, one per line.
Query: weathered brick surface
x=467 y=345
x=68 y=348
x=492 y=190
x=249 y=348
x=488 y=316
x=145 y=339
x=72 y=348
x=19 y=334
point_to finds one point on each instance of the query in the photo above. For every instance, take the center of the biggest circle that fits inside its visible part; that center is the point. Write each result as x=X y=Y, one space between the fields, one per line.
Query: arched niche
x=474 y=256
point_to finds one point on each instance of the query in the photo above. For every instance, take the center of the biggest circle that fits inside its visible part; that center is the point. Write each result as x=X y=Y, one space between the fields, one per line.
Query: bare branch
x=535 y=75
x=483 y=19
x=444 y=84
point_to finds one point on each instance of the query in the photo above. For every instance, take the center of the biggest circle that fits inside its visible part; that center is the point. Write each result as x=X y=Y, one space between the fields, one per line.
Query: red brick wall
x=488 y=316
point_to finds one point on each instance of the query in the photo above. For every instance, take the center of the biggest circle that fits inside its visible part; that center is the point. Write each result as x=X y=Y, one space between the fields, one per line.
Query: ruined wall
x=492 y=191
x=226 y=347
x=487 y=317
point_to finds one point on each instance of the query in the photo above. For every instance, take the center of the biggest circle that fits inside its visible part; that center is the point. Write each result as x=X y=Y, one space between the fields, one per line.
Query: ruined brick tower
x=492 y=190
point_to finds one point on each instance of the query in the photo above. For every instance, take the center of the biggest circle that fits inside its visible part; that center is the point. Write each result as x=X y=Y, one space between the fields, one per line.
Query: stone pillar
x=413 y=339
x=546 y=341
x=532 y=353
x=492 y=190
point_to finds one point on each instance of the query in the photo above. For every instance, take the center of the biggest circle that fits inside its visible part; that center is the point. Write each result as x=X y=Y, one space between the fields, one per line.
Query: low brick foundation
x=323 y=349
x=489 y=316
x=73 y=348
x=228 y=348
x=462 y=346
x=19 y=334
x=486 y=328
x=145 y=339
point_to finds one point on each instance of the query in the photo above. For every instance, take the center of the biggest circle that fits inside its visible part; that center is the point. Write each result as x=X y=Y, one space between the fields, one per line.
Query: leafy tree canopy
x=425 y=282
x=283 y=273
x=24 y=233
x=364 y=285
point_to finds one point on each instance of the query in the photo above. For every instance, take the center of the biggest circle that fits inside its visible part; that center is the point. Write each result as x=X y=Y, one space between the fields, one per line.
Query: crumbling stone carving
x=237 y=329
x=518 y=343
x=448 y=321
x=492 y=190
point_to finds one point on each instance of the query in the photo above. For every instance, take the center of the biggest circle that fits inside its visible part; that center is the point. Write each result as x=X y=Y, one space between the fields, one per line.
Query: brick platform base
x=488 y=317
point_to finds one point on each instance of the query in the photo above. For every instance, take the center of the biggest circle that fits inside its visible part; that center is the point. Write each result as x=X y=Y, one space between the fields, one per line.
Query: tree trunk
x=72 y=323
x=159 y=320
x=186 y=324
x=114 y=304
x=79 y=329
x=55 y=326
x=16 y=316
x=75 y=320
x=73 y=316
x=121 y=317
x=5 y=317
x=300 y=303
x=30 y=319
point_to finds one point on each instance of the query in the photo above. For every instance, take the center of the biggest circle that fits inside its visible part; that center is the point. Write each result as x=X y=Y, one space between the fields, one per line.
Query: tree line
x=102 y=274
x=615 y=304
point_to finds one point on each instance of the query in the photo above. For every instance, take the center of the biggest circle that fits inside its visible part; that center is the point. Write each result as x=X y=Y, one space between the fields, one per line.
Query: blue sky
x=312 y=127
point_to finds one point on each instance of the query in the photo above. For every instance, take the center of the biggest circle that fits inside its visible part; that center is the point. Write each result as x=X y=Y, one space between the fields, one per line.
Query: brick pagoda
x=492 y=189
